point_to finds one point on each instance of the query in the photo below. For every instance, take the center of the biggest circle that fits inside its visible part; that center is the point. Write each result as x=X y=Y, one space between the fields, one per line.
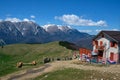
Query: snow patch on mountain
x=64 y=28
x=53 y=27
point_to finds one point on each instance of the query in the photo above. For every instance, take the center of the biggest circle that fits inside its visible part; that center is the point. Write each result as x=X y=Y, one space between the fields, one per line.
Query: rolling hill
x=11 y=54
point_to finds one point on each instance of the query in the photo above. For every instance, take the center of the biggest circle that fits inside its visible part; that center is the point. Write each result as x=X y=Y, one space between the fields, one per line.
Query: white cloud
x=79 y=21
x=32 y=20
x=28 y=20
x=32 y=16
x=86 y=31
x=17 y=20
x=13 y=19
x=25 y=19
x=115 y=29
x=98 y=30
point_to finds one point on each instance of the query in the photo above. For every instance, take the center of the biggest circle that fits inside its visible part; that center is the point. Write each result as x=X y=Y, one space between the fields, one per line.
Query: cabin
x=106 y=47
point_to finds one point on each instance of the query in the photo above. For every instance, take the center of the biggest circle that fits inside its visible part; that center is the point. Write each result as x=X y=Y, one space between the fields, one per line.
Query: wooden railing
x=100 y=47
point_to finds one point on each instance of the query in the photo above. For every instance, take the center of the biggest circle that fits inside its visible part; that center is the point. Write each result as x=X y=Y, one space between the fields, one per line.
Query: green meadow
x=11 y=54
x=77 y=74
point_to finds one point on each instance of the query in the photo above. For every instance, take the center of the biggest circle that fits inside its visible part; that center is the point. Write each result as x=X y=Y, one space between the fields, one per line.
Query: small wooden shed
x=84 y=53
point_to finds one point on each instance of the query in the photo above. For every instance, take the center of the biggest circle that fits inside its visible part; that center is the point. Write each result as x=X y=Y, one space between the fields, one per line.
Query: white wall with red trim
x=108 y=49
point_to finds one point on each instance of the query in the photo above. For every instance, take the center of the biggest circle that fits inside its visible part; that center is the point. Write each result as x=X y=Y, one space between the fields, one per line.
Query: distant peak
x=56 y=27
x=64 y=28
x=50 y=27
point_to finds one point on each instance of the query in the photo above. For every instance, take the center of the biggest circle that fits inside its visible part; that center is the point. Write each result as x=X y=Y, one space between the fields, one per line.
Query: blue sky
x=85 y=15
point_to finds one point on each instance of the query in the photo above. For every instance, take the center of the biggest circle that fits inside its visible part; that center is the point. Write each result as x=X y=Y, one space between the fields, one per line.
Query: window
x=111 y=56
x=96 y=42
x=93 y=42
x=113 y=44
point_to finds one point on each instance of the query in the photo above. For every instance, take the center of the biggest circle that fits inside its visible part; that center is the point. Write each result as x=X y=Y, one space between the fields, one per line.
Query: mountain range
x=30 y=32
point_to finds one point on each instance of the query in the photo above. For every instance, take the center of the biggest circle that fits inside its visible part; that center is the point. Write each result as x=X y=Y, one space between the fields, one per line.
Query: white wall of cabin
x=108 y=48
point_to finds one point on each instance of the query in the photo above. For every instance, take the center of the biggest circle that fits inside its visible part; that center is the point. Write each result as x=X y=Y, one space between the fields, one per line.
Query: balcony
x=100 y=48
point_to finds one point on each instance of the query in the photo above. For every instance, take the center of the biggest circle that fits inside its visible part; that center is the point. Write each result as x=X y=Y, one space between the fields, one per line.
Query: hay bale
x=19 y=64
x=34 y=62
x=52 y=59
x=46 y=60
x=70 y=58
x=58 y=59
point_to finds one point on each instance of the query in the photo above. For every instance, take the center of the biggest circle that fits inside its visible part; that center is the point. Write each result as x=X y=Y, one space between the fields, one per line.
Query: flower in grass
x=114 y=78
x=101 y=79
x=46 y=75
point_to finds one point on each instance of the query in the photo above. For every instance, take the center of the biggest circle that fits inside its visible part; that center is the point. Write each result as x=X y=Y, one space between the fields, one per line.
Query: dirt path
x=28 y=74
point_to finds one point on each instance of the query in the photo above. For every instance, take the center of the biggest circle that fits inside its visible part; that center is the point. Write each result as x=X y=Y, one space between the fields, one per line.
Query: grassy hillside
x=11 y=54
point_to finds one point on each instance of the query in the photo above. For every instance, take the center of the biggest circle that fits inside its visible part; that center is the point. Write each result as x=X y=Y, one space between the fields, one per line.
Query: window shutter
x=111 y=56
x=101 y=43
